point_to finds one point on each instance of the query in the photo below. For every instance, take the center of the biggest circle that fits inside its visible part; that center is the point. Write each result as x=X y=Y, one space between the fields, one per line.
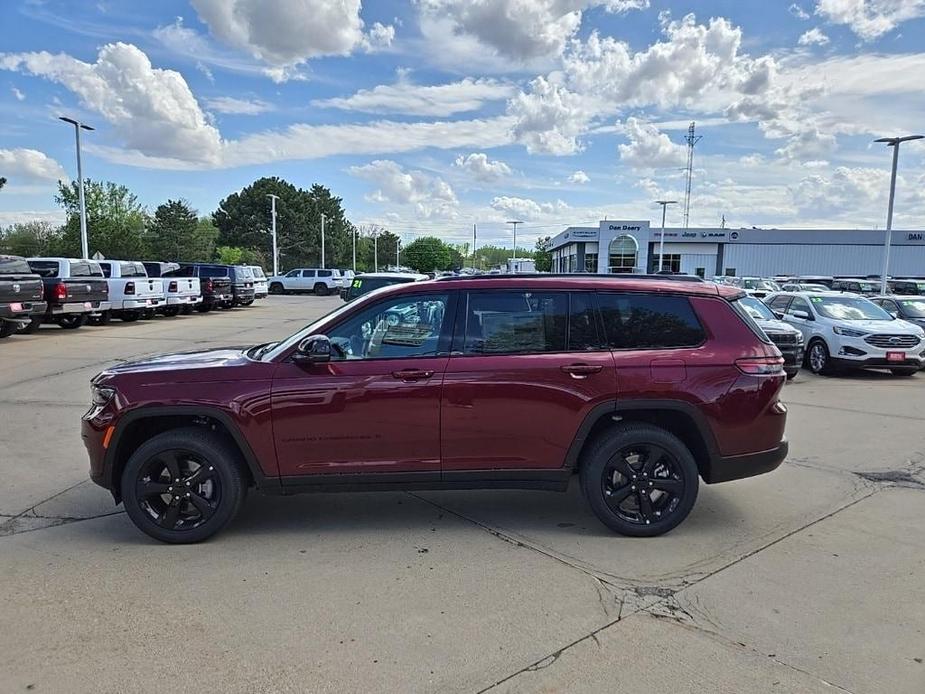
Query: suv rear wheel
x=321 y=289
x=184 y=485
x=640 y=480
x=276 y=288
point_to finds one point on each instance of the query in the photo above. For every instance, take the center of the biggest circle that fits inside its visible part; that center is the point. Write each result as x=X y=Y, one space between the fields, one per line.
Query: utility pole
x=893 y=142
x=273 y=199
x=354 y=250
x=661 y=243
x=514 y=223
x=84 y=243
x=691 y=140
x=376 y=251
x=322 y=240
x=397 y=253
x=474 y=236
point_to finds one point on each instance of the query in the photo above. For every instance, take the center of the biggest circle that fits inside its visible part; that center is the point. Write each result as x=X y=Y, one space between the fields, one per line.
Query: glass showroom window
x=623 y=252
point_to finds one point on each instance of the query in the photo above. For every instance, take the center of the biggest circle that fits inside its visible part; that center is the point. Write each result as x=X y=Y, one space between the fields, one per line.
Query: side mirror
x=894 y=314
x=315 y=349
x=802 y=314
x=779 y=314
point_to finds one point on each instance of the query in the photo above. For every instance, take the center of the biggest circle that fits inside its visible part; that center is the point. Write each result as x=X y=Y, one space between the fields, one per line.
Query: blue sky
x=429 y=116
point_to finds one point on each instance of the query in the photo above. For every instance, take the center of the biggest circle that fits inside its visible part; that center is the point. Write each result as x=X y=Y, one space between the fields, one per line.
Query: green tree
x=228 y=255
x=2 y=182
x=427 y=254
x=29 y=238
x=542 y=256
x=176 y=233
x=116 y=221
x=491 y=256
x=369 y=237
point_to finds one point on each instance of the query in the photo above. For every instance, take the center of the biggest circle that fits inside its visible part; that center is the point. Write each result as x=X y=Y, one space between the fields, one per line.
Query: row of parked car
x=71 y=292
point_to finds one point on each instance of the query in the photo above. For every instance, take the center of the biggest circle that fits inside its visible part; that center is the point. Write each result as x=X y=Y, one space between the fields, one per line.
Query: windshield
x=10 y=265
x=756 y=308
x=848 y=308
x=363 y=285
x=914 y=308
x=765 y=285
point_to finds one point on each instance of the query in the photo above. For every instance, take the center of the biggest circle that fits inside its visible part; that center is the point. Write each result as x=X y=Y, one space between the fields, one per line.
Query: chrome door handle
x=581 y=370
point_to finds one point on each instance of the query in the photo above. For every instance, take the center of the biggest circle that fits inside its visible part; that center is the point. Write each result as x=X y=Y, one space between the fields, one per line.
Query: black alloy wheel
x=320 y=289
x=639 y=479
x=7 y=328
x=276 y=288
x=183 y=485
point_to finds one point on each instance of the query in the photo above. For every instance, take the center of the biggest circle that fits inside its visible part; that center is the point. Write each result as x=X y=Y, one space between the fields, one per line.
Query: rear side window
x=516 y=322
x=308 y=273
x=45 y=268
x=82 y=268
x=213 y=271
x=324 y=273
x=107 y=269
x=649 y=321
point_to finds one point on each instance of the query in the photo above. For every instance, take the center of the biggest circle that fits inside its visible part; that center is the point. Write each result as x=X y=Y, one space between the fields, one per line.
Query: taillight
x=41 y=290
x=172 y=287
x=129 y=287
x=761 y=365
x=60 y=291
x=208 y=285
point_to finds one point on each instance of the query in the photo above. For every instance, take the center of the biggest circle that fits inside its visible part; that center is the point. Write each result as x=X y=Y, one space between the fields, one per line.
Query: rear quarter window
x=45 y=268
x=649 y=321
x=11 y=265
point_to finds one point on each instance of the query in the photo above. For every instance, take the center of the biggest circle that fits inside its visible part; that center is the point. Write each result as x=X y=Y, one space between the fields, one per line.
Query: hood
x=181 y=361
x=897 y=326
x=776 y=326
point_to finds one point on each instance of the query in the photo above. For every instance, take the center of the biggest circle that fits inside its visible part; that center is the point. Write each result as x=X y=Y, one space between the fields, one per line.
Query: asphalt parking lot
x=805 y=580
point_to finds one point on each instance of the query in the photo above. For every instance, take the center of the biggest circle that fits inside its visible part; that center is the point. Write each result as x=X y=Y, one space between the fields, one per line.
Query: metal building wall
x=821 y=259
x=691 y=261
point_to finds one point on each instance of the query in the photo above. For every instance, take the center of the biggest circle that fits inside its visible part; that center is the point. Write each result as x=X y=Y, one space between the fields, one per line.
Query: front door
x=525 y=371
x=375 y=407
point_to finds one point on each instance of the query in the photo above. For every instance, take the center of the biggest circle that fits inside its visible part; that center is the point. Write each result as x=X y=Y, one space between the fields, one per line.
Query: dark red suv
x=641 y=385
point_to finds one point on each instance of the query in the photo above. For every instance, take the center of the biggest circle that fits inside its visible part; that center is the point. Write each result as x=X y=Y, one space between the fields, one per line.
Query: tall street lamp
x=322 y=240
x=893 y=142
x=661 y=243
x=514 y=224
x=273 y=199
x=84 y=246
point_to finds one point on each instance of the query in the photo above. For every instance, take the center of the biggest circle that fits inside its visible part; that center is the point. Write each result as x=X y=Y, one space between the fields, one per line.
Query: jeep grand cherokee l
x=640 y=385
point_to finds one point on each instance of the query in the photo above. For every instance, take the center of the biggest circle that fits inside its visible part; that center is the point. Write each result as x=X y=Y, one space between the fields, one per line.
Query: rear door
x=307 y=281
x=525 y=370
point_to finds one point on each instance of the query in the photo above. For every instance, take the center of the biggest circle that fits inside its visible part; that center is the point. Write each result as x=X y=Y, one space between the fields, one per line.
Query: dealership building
x=616 y=246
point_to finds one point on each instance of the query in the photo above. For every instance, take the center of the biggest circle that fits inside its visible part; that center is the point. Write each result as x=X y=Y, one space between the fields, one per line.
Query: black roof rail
x=574 y=275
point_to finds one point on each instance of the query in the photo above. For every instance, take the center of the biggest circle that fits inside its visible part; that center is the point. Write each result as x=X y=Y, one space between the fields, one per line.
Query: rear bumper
x=140 y=304
x=736 y=467
x=183 y=300
x=244 y=295
x=24 y=313
x=79 y=307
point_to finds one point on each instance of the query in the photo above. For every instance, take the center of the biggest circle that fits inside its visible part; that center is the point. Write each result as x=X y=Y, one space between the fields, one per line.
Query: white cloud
x=813 y=37
x=379 y=37
x=481 y=167
x=527 y=209
x=848 y=188
x=8 y=217
x=579 y=177
x=550 y=118
x=798 y=11
x=18 y=94
x=244 y=107
x=285 y=33
x=648 y=148
x=422 y=100
x=30 y=165
x=870 y=19
x=152 y=110
x=430 y=196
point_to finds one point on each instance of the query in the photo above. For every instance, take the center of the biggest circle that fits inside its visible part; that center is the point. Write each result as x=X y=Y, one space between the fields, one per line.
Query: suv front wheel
x=640 y=480
x=184 y=485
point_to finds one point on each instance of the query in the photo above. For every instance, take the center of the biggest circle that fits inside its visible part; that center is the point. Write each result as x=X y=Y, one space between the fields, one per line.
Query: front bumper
x=80 y=307
x=852 y=352
x=878 y=363
x=736 y=467
x=22 y=312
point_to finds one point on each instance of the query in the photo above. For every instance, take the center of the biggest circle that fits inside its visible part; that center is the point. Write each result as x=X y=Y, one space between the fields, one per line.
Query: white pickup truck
x=132 y=293
x=183 y=293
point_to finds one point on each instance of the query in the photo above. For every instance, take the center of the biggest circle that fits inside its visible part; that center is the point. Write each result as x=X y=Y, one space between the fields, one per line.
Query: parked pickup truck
x=214 y=280
x=132 y=293
x=21 y=294
x=74 y=291
x=183 y=293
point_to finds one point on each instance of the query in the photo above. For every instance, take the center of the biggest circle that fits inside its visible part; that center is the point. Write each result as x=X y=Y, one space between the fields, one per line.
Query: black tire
x=276 y=288
x=32 y=326
x=663 y=465
x=148 y=314
x=7 y=328
x=72 y=321
x=791 y=373
x=171 y=311
x=204 y=307
x=146 y=480
x=817 y=358
x=186 y=310
x=129 y=316
x=905 y=372
x=246 y=303
x=102 y=319
x=320 y=289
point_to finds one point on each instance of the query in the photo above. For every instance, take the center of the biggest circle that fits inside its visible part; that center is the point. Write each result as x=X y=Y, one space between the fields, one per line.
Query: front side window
x=779 y=303
x=516 y=322
x=649 y=321
x=400 y=328
x=848 y=308
x=293 y=273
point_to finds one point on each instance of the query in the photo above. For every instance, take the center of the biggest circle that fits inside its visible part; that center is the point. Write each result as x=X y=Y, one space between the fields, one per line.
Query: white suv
x=848 y=331
x=301 y=280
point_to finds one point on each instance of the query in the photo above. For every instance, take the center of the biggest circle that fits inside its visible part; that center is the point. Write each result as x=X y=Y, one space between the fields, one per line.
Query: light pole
x=84 y=245
x=376 y=251
x=661 y=243
x=397 y=253
x=273 y=199
x=893 y=142
x=354 y=250
x=514 y=224
x=322 y=240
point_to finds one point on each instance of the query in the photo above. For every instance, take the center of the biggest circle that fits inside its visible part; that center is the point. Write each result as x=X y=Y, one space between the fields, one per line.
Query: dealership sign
x=581 y=234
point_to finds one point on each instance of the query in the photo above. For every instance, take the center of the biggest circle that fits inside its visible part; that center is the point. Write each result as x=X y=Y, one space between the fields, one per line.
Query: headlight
x=101 y=395
x=799 y=338
x=848 y=332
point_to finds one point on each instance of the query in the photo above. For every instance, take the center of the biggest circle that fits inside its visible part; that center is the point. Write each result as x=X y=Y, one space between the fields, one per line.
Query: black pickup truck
x=21 y=294
x=214 y=282
x=75 y=290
